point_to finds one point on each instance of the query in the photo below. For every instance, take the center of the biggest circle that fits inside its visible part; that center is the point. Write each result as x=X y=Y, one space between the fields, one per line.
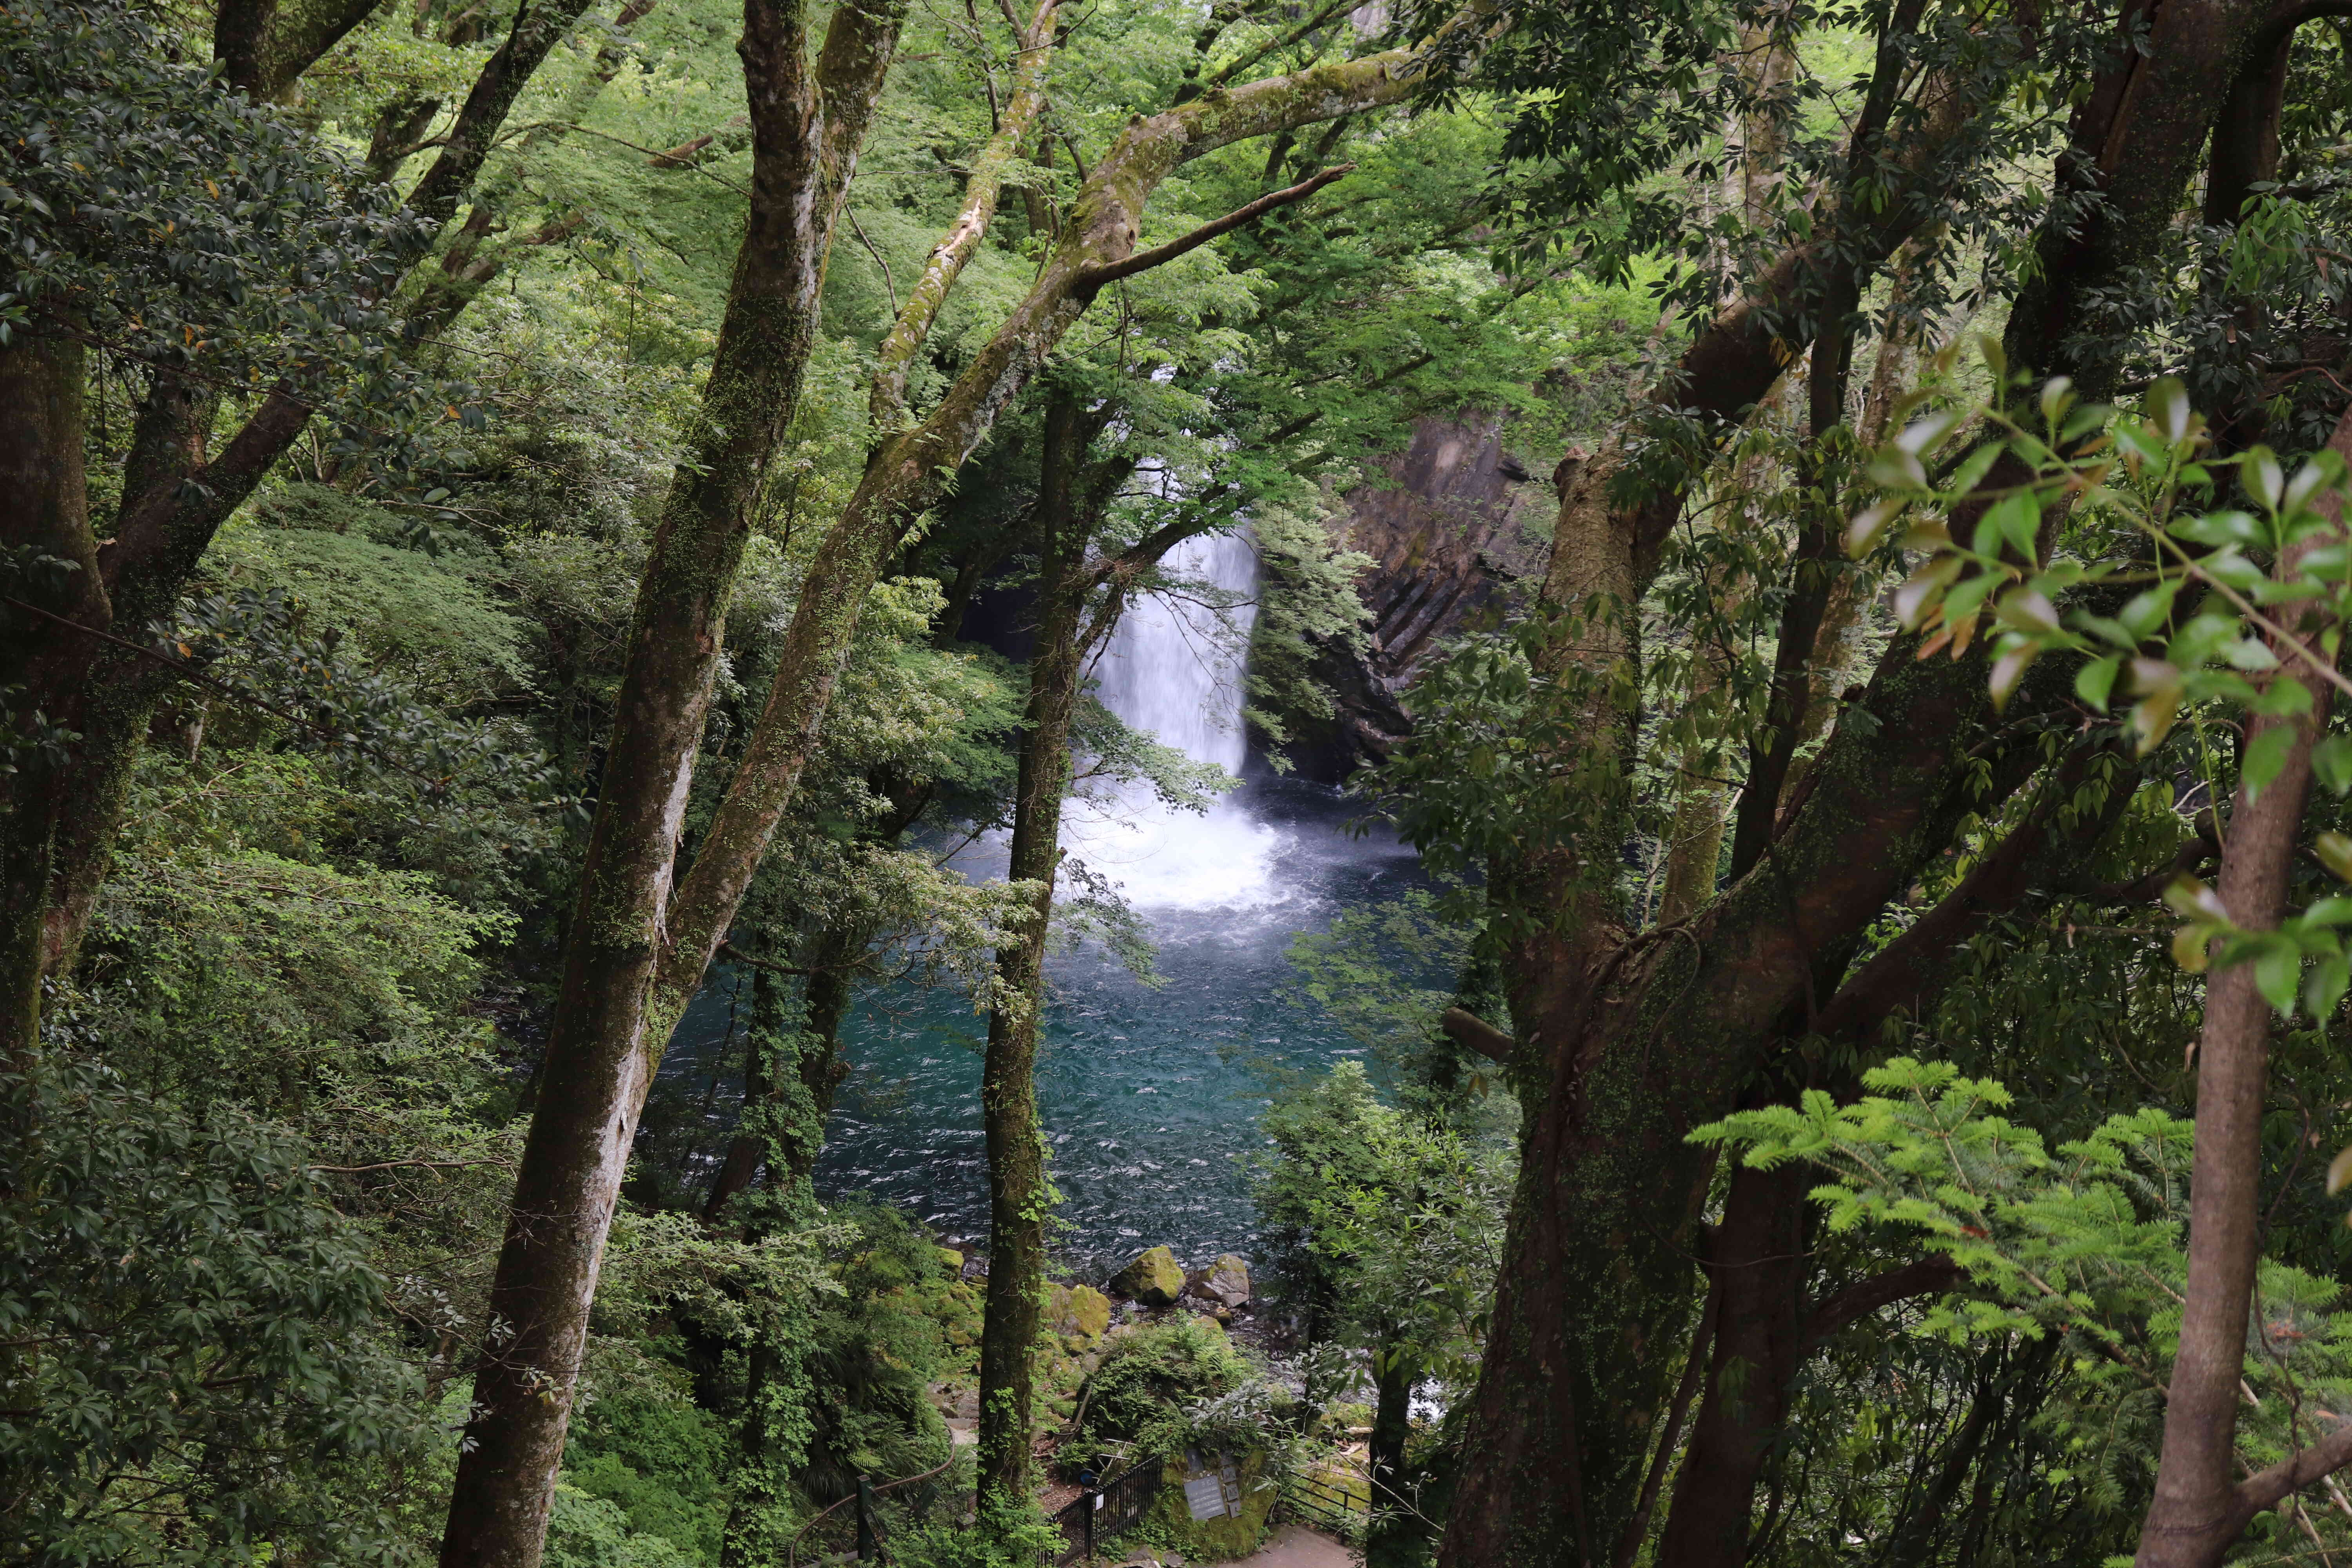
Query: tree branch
x=1472 y=1033
x=733 y=954
x=1093 y=279
x=982 y=189
x=1926 y=1277
x=2305 y=1467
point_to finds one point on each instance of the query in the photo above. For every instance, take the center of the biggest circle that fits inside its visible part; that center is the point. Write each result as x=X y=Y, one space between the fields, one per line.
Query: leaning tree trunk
x=2199 y=1509
x=809 y=120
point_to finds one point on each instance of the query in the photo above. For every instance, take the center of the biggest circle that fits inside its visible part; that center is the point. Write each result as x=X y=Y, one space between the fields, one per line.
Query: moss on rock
x=1153 y=1279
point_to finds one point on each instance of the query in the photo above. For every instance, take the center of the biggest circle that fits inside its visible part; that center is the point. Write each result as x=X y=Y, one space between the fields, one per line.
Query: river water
x=1149 y=1095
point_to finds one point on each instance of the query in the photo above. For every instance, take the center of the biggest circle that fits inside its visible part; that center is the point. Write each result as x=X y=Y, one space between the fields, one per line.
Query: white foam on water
x=1165 y=860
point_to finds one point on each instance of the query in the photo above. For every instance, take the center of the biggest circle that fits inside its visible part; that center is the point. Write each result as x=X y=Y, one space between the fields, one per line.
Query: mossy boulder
x=1149 y=1373
x=1237 y=1485
x=1228 y=1280
x=1080 y=1313
x=1152 y=1279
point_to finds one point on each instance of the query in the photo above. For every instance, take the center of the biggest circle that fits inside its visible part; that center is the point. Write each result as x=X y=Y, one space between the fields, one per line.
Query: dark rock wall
x=1452 y=527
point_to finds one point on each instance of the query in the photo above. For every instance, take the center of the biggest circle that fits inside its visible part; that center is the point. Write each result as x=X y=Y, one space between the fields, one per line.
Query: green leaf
x=2331 y=762
x=2084 y=420
x=1971 y=472
x=2277 y=972
x=2265 y=758
x=2259 y=472
x=2057 y=396
x=2167 y=409
x=2097 y=678
x=1896 y=469
x=2335 y=852
x=2329 y=978
x=2018 y=520
x=1996 y=358
x=2218 y=528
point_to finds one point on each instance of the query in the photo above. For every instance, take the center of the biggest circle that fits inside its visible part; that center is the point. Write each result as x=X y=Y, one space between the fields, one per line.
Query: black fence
x=1100 y=1515
x=859 y=1526
x=1333 y=1498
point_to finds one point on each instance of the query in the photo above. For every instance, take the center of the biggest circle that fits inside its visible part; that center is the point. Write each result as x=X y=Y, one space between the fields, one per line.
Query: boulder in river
x=1152 y=1279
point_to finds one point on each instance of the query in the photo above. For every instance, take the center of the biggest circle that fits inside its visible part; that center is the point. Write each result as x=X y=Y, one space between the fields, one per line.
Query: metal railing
x=1104 y=1513
x=1331 y=1496
x=873 y=1512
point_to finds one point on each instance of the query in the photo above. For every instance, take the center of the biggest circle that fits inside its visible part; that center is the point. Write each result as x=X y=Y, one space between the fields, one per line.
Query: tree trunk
x=2198 y=1510
x=1017 y=1181
x=53 y=576
x=809 y=120
x=789 y=1078
x=1393 y=1538
x=1625 y=1048
x=1759 y=1263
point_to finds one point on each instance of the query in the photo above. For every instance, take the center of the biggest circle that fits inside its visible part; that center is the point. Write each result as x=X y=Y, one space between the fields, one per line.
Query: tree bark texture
x=263 y=47
x=53 y=566
x=1393 y=1536
x=2200 y=1506
x=1759 y=1264
x=1017 y=1180
x=1595 y=1297
x=808 y=118
x=1626 y=1045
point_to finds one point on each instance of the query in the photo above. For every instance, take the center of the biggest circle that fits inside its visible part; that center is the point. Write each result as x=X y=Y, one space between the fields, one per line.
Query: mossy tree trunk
x=51 y=570
x=810 y=108
x=1625 y=1045
x=1019 y=1187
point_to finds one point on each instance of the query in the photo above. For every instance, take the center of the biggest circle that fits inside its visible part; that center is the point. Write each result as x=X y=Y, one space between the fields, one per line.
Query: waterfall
x=1175 y=668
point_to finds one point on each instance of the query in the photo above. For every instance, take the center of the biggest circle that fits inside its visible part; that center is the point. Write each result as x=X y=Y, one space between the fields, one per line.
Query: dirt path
x=1292 y=1546
x=1295 y=1546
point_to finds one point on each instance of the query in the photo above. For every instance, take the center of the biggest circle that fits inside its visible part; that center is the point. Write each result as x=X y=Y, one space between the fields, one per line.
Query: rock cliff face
x=1453 y=523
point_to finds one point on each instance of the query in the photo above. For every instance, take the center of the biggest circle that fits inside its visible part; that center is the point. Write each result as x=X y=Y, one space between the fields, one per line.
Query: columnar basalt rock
x=1451 y=524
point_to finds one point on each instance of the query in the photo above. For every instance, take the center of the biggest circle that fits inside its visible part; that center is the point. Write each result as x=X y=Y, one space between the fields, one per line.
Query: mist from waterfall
x=1175 y=668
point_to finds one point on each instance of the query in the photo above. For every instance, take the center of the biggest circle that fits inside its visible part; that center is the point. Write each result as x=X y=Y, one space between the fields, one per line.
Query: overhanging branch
x=1472 y=1033
x=1092 y=279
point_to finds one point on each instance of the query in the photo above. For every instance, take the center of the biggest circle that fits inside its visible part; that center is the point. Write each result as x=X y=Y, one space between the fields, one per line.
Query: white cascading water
x=1175 y=668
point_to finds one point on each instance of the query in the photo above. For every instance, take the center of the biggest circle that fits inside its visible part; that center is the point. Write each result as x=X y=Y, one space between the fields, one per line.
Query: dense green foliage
x=285 y=1017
